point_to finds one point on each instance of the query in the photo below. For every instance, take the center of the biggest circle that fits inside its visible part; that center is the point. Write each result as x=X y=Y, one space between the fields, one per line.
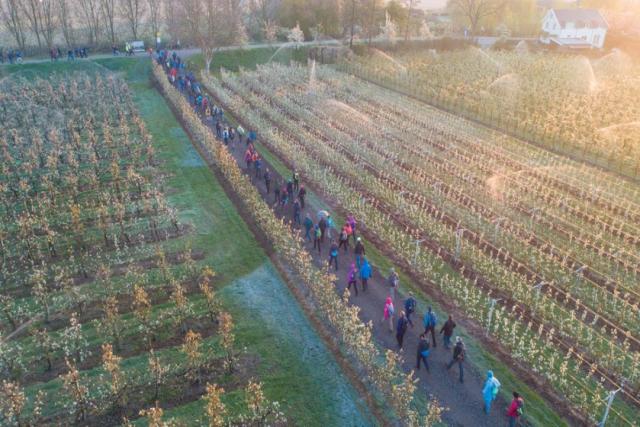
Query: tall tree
x=49 y=20
x=13 y=20
x=108 y=9
x=131 y=11
x=410 y=4
x=473 y=12
x=31 y=9
x=90 y=14
x=155 y=15
x=65 y=19
x=213 y=24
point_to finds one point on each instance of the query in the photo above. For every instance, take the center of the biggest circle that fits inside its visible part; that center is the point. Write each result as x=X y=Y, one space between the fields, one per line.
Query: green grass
x=233 y=60
x=308 y=395
x=233 y=252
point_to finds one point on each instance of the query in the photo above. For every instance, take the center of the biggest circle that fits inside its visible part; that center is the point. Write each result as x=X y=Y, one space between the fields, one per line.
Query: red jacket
x=513 y=408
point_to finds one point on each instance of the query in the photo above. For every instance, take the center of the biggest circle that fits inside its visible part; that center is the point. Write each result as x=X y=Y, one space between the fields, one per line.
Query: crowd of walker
x=289 y=199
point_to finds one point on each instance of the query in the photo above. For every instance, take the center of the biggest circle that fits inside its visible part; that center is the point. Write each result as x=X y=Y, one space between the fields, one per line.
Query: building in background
x=574 y=28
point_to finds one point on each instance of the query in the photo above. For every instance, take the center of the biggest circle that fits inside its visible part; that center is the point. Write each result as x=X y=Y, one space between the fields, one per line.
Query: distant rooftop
x=590 y=17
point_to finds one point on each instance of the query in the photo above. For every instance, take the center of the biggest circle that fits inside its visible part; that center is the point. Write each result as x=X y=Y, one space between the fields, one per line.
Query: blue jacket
x=365 y=270
x=491 y=387
x=429 y=319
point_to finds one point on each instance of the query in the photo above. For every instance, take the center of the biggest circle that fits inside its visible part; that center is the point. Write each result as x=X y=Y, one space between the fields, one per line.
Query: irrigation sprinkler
x=610 y=397
x=538 y=288
x=492 y=306
x=533 y=212
x=578 y=277
x=459 y=235
x=498 y=221
x=415 y=255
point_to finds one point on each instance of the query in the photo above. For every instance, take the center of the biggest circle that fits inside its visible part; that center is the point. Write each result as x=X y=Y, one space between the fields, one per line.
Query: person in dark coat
x=447 y=331
x=459 y=354
x=422 y=352
x=296 y=218
x=401 y=328
x=323 y=228
x=410 y=307
x=267 y=179
x=301 y=195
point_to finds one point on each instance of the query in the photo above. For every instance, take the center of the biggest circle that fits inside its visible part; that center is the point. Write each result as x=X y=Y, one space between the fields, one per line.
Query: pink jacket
x=388 y=308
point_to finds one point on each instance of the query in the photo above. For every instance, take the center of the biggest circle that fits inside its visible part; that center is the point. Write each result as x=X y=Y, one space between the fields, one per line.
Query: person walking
x=308 y=225
x=422 y=352
x=394 y=282
x=447 y=331
x=401 y=328
x=257 y=164
x=290 y=186
x=359 y=251
x=248 y=155
x=296 y=218
x=490 y=391
x=515 y=410
x=459 y=354
x=284 y=196
x=301 y=195
x=365 y=273
x=323 y=228
x=276 y=193
x=333 y=256
x=343 y=240
x=267 y=179
x=410 y=307
x=352 y=223
x=240 y=132
x=430 y=321
x=330 y=226
x=387 y=314
x=351 y=278
x=317 y=234
x=296 y=180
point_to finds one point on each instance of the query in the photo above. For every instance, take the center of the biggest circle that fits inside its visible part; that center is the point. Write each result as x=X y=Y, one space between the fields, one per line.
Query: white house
x=574 y=28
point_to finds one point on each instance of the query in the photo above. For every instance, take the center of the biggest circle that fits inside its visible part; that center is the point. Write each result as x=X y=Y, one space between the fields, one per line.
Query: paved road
x=464 y=400
x=183 y=53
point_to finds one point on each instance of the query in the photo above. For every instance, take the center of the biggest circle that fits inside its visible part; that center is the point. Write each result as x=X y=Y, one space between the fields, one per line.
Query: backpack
x=495 y=390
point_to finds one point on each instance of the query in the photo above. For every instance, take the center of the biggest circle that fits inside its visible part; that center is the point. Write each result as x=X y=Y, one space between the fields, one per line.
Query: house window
x=596 y=39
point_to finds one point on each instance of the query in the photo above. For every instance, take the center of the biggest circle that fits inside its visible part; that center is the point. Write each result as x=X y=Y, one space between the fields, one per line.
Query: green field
x=273 y=335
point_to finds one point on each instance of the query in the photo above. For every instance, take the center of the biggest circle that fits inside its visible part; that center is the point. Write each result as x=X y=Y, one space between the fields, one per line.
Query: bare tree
x=65 y=19
x=108 y=9
x=31 y=9
x=474 y=11
x=155 y=14
x=410 y=4
x=49 y=21
x=90 y=15
x=174 y=16
x=213 y=24
x=132 y=11
x=13 y=20
x=41 y=18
